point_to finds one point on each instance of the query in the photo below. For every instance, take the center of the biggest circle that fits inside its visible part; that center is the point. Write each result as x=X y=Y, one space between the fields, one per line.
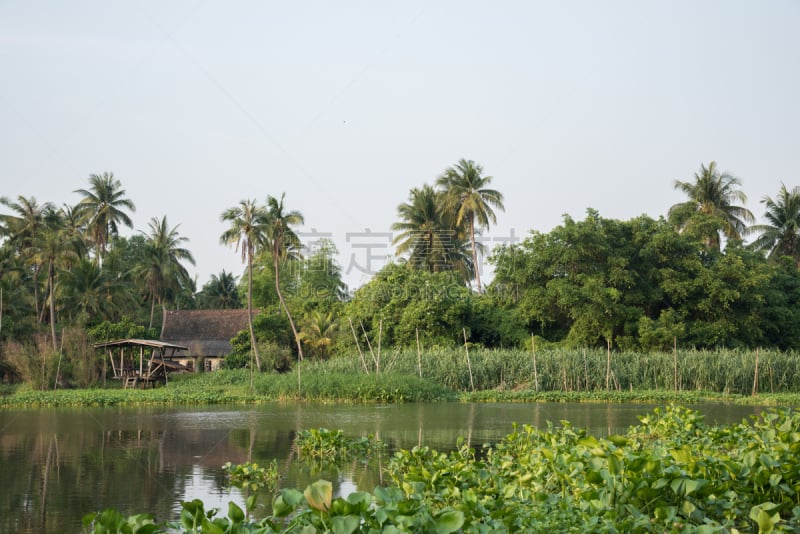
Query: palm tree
x=429 y=235
x=102 y=209
x=162 y=270
x=220 y=292
x=283 y=245
x=90 y=295
x=319 y=332
x=712 y=206
x=22 y=228
x=248 y=230
x=470 y=201
x=781 y=236
x=52 y=246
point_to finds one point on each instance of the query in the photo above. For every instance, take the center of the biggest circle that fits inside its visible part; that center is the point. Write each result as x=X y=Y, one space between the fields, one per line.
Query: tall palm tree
x=52 y=246
x=22 y=227
x=103 y=208
x=283 y=245
x=470 y=201
x=712 y=206
x=248 y=227
x=429 y=235
x=781 y=235
x=163 y=269
x=220 y=292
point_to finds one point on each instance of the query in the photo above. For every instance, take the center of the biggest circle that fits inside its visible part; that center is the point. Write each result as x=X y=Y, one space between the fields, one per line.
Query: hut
x=206 y=333
x=142 y=362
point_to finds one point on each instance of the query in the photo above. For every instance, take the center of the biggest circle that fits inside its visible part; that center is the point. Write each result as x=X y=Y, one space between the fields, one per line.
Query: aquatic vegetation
x=670 y=473
x=253 y=476
x=332 y=447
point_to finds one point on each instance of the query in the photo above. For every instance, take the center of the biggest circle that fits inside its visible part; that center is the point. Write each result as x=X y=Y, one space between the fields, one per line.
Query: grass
x=560 y=375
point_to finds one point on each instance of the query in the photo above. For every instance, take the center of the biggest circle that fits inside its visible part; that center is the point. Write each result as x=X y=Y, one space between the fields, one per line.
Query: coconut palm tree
x=247 y=230
x=712 y=207
x=283 y=245
x=91 y=294
x=470 y=201
x=102 y=209
x=318 y=332
x=52 y=246
x=220 y=292
x=781 y=235
x=22 y=227
x=430 y=236
x=162 y=269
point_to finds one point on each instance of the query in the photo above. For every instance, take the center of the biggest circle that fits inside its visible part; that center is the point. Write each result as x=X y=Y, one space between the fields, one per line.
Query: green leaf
x=449 y=521
x=345 y=524
x=361 y=501
x=235 y=513
x=285 y=503
x=765 y=521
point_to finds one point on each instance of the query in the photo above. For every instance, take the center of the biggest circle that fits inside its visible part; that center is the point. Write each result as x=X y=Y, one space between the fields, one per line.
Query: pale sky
x=346 y=106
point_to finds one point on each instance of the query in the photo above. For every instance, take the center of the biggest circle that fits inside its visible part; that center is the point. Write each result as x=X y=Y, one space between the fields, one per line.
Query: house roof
x=131 y=342
x=205 y=332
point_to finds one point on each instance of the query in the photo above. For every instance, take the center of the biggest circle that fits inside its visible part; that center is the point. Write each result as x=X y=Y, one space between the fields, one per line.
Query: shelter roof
x=132 y=342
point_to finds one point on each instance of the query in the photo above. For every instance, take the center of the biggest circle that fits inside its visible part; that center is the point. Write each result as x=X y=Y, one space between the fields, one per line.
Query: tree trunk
x=253 y=344
x=50 y=280
x=285 y=308
x=474 y=254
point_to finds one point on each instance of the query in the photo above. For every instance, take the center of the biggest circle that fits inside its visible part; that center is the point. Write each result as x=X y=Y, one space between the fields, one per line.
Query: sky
x=347 y=106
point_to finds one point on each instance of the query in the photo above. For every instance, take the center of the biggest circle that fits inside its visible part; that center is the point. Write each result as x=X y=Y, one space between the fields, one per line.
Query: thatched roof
x=206 y=333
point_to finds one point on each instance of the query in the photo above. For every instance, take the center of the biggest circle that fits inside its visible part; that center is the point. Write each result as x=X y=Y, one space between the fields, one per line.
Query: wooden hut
x=206 y=333
x=142 y=362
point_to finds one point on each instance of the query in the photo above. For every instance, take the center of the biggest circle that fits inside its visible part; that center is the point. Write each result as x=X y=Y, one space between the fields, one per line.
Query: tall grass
x=721 y=371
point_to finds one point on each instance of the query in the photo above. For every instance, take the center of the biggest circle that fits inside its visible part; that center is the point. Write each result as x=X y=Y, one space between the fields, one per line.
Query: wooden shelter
x=206 y=333
x=142 y=361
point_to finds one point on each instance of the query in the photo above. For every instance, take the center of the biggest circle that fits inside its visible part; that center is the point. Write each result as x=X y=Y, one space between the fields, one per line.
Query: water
x=58 y=464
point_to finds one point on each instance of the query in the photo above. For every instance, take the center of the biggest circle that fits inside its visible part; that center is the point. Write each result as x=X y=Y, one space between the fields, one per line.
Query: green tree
x=319 y=285
x=162 y=269
x=399 y=302
x=52 y=246
x=712 y=208
x=471 y=201
x=319 y=331
x=102 y=209
x=21 y=228
x=430 y=236
x=284 y=245
x=248 y=226
x=92 y=294
x=220 y=292
x=781 y=235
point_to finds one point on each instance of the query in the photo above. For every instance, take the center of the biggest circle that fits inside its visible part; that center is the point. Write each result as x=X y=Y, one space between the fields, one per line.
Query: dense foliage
x=642 y=284
x=670 y=473
x=687 y=281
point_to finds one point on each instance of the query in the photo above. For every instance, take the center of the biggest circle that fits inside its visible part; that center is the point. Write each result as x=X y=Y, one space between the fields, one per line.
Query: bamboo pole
x=535 y=373
x=585 y=370
x=358 y=346
x=469 y=364
x=380 y=334
x=675 y=362
x=419 y=356
x=755 y=376
x=371 y=352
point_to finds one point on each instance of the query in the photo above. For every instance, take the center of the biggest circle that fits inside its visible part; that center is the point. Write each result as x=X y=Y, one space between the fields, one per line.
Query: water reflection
x=57 y=465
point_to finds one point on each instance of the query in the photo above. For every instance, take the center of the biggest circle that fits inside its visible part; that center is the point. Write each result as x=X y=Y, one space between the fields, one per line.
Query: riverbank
x=238 y=387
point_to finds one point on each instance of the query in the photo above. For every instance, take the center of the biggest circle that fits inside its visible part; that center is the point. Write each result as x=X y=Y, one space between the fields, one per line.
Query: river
x=58 y=464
